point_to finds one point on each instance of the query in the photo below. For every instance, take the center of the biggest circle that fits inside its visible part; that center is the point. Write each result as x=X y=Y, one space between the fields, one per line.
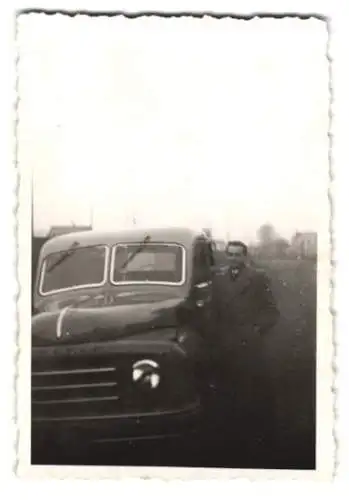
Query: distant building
x=59 y=230
x=304 y=244
x=277 y=248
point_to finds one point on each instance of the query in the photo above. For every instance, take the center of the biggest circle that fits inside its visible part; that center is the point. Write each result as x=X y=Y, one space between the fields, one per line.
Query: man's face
x=236 y=256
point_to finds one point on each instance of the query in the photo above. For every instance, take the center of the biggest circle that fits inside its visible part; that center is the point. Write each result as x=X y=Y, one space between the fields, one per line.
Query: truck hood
x=90 y=320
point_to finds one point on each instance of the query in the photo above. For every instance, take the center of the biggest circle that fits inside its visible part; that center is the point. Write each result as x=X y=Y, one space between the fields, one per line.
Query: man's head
x=236 y=252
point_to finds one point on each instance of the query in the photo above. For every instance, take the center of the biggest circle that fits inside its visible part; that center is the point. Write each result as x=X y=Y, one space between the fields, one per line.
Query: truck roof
x=179 y=235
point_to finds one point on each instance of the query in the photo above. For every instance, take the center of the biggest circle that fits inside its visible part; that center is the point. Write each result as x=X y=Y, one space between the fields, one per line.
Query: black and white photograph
x=174 y=245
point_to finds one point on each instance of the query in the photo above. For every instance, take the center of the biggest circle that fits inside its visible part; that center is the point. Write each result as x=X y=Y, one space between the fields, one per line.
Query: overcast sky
x=217 y=123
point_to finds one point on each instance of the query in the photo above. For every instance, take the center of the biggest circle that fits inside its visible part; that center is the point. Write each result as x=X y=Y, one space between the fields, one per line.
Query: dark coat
x=245 y=310
x=246 y=302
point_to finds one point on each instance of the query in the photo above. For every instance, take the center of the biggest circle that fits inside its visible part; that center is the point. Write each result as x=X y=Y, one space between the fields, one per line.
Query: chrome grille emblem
x=145 y=373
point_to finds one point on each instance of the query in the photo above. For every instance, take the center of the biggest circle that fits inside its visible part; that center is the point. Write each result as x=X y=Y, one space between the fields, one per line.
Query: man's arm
x=267 y=312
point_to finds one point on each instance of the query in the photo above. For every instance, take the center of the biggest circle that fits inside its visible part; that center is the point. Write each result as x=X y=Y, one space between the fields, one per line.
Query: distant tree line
x=270 y=244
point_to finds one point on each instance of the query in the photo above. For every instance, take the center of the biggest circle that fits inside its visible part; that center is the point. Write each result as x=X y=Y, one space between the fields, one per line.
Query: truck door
x=202 y=285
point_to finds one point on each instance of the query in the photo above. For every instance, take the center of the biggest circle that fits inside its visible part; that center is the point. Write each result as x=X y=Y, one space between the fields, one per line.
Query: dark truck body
x=122 y=360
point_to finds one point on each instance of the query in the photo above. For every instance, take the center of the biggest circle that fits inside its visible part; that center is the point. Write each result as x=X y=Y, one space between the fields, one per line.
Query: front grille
x=68 y=388
x=88 y=386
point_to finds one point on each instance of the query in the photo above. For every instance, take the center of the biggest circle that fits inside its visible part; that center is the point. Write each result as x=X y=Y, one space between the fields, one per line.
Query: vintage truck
x=119 y=334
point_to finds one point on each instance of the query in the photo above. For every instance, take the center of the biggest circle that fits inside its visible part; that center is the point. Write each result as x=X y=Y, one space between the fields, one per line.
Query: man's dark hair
x=237 y=243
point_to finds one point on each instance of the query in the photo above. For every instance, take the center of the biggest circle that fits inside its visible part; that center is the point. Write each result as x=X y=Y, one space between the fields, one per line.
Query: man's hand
x=267 y=309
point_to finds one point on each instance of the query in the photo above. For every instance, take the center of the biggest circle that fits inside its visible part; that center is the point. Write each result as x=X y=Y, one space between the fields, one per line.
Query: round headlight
x=145 y=373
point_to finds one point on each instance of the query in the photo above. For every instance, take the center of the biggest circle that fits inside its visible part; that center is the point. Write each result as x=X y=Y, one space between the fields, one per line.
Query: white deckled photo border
x=325 y=444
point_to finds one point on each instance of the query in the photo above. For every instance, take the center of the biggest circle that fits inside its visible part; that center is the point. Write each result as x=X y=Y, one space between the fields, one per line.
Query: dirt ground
x=292 y=353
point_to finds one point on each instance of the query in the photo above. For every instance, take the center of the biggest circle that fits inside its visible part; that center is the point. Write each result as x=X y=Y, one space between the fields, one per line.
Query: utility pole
x=32 y=204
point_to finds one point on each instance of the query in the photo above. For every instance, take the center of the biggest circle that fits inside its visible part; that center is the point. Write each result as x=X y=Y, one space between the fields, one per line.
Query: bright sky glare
x=219 y=123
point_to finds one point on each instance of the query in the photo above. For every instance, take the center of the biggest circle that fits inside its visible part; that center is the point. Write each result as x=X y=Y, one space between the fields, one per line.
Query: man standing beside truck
x=245 y=312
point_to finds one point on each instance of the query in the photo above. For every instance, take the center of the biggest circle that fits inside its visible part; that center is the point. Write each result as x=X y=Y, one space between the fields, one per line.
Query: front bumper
x=114 y=428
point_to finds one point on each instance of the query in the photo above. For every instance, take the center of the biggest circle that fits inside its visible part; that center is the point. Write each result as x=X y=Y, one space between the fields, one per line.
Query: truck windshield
x=155 y=263
x=85 y=267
